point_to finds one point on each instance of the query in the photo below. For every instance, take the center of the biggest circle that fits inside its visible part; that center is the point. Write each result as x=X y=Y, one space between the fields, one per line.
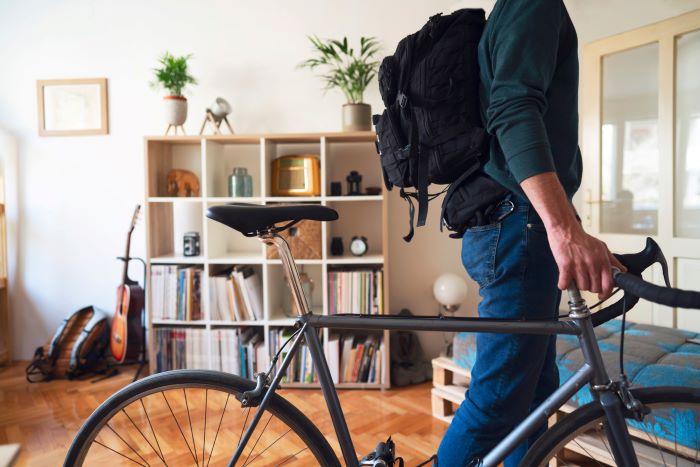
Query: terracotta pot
x=357 y=117
x=175 y=110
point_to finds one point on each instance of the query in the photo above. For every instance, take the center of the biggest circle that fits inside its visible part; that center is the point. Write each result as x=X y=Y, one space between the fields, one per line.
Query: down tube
x=331 y=396
x=539 y=416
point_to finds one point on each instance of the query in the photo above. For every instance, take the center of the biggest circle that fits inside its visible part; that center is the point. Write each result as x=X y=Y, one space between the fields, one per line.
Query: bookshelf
x=212 y=159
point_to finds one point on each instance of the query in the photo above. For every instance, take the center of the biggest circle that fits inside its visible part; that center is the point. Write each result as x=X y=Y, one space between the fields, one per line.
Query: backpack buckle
x=402 y=99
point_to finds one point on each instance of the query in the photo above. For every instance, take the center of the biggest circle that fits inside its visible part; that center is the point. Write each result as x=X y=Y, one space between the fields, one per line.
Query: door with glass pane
x=640 y=111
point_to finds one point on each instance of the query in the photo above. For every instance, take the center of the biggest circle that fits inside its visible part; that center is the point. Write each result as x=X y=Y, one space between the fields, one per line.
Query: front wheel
x=192 y=417
x=668 y=435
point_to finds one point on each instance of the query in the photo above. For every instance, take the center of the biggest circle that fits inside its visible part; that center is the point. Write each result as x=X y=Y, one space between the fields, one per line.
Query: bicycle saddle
x=249 y=219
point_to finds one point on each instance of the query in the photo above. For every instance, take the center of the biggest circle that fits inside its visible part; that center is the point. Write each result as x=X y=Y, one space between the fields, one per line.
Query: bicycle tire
x=297 y=422
x=579 y=423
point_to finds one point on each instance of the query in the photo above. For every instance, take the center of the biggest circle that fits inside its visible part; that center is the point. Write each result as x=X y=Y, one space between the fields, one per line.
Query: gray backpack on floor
x=408 y=362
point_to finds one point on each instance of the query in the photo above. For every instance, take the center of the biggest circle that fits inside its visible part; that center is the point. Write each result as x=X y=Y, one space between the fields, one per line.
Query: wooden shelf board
x=255 y=138
x=178 y=322
x=298 y=261
x=233 y=139
x=174 y=199
x=227 y=199
x=369 y=259
x=354 y=198
x=293 y=199
x=236 y=323
x=172 y=259
x=283 y=322
x=238 y=258
x=185 y=139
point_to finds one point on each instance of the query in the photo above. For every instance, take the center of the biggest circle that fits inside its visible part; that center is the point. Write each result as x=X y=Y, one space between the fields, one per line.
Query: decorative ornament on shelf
x=182 y=183
x=349 y=72
x=217 y=114
x=240 y=183
x=296 y=175
x=173 y=76
x=358 y=246
x=190 y=245
x=354 y=180
x=337 y=246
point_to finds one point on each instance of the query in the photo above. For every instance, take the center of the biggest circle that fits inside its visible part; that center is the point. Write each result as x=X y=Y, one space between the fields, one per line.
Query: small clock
x=358 y=246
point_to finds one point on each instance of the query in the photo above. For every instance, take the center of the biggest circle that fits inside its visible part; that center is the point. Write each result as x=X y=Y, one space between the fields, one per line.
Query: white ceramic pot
x=175 y=110
x=357 y=117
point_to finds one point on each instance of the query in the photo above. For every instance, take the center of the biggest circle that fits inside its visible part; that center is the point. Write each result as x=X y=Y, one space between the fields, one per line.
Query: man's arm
x=579 y=256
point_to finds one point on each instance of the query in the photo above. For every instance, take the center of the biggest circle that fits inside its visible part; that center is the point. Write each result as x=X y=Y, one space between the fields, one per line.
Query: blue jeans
x=517 y=276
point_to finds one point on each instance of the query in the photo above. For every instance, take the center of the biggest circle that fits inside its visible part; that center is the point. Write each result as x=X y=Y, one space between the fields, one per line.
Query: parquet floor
x=44 y=417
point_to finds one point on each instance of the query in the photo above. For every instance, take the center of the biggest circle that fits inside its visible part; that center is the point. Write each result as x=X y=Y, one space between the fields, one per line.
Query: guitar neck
x=125 y=273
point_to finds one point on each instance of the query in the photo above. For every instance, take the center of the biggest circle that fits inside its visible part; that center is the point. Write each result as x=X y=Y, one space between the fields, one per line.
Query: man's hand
x=583 y=259
x=579 y=256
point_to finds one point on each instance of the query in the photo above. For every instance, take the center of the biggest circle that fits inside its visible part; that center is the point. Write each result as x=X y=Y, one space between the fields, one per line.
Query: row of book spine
x=239 y=351
x=236 y=294
x=352 y=358
x=180 y=348
x=356 y=291
x=176 y=292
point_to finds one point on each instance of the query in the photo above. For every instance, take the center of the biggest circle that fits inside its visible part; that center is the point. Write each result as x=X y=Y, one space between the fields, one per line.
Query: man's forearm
x=549 y=200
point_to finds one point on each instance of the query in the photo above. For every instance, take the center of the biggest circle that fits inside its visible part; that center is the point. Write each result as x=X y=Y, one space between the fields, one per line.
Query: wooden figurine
x=182 y=183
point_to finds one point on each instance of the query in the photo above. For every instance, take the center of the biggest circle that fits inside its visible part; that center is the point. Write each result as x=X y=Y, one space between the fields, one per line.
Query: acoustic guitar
x=126 y=337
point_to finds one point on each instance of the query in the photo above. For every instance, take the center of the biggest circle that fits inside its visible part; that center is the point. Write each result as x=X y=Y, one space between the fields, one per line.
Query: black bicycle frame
x=592 y=372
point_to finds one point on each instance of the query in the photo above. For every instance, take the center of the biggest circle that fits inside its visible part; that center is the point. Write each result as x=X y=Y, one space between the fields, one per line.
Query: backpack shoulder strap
x=53 y=345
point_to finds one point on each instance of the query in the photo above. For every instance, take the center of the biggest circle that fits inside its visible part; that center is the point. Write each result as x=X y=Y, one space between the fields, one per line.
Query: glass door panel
x=630 y=141
x=687 y=196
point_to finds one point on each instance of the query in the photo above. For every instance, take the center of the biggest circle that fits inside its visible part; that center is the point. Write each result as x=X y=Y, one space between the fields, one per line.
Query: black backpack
x=431 y=130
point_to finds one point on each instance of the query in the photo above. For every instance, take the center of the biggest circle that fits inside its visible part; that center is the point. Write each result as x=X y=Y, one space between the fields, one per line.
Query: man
x=535 y=246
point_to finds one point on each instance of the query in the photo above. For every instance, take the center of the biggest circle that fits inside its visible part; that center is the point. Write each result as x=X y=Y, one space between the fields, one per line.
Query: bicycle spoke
x=178 y=426
x=245 y=422
x=257 y=440
x=216 y=435
x=127 y=444
x=292 y=456
x=269 y=445
x=117 y=452
x=194 y=445
x=153 y=431
x=605 y=442
x=587 y=453
x=204 y=443
x=142 y=435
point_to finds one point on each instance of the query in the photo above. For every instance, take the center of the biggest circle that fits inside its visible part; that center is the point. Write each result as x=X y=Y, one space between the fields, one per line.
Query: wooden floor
x=43 y=418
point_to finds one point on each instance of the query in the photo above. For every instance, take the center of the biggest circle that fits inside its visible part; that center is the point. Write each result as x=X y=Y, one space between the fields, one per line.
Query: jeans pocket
x=479 y=253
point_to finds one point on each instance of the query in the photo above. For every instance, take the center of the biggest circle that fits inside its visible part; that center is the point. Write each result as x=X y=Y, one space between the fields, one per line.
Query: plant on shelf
x=350 y=71
x=173 y=76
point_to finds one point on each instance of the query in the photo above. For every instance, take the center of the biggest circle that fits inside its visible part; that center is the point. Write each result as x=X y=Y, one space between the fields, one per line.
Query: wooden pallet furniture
x=450 y=382
x=211 y=158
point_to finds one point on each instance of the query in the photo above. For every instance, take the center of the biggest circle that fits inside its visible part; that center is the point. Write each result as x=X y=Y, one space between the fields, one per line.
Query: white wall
x=76 y=193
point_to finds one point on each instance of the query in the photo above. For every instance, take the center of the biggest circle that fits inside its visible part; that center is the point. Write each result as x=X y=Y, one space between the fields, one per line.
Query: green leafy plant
x=344 y=69
x=173 y=74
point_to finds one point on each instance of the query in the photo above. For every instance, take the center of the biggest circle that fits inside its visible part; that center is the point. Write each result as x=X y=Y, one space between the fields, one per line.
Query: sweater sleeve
x=524 y=58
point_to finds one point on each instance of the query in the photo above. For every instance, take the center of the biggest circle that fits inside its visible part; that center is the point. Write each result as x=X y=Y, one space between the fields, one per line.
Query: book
x=333 y=357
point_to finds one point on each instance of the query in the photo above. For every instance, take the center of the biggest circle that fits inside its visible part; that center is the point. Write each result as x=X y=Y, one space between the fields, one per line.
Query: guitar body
x=127 y=332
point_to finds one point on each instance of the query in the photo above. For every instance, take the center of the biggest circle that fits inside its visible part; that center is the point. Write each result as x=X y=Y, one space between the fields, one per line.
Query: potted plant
x=350 y=72
x=173 y=76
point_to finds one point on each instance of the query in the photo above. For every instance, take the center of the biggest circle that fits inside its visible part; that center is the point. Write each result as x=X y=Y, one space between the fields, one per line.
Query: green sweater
x=528 y=61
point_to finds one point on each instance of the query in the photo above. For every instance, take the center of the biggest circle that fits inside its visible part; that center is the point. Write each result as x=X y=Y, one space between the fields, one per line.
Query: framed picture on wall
x=72 y=107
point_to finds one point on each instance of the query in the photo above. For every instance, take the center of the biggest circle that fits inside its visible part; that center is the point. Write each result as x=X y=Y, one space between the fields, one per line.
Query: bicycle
x=269 y=430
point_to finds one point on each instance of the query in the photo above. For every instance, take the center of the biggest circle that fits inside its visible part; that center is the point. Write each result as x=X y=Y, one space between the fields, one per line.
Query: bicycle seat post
x=290 y=269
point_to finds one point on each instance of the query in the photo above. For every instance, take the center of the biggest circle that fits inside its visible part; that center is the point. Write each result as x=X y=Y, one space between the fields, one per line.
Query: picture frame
x=72 y=107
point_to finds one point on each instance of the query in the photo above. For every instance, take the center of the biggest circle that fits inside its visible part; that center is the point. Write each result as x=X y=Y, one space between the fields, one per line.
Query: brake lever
x=638 y=262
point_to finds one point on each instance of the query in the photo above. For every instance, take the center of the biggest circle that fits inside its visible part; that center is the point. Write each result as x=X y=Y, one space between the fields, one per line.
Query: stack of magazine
x=239 y=351
x=180 y=348
x=236 y=294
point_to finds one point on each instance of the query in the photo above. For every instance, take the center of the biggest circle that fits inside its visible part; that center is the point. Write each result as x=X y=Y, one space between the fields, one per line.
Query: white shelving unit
x=212 y=159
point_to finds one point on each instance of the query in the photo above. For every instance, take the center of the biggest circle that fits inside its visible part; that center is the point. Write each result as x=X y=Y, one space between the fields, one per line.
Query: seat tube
x=601 y=385
x=290 y=270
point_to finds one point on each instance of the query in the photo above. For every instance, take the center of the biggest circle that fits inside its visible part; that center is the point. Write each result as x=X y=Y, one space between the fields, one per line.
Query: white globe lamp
x=450 y=290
